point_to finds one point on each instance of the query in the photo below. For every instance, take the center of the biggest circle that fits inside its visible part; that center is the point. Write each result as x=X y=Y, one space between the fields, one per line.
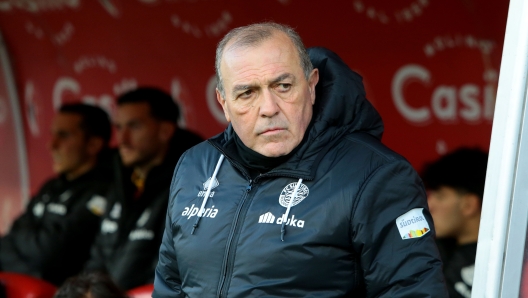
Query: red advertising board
x=430 y=67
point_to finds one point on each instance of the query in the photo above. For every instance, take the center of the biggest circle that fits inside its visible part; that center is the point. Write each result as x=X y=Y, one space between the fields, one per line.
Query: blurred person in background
x=52 y=239
x=90 y=285
x=150 y=143
x=455 y=187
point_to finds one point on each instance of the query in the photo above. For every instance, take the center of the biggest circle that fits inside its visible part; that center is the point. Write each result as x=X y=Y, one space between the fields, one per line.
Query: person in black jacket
x=455 y=188
x=150 y=143
x=52 y=238
x=297 y=197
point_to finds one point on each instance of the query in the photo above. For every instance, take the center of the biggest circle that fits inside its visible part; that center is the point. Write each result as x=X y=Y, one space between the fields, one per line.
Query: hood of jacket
x=340 y=108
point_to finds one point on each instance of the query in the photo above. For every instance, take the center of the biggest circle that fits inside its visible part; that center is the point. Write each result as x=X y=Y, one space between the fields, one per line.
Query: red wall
x=430 y=67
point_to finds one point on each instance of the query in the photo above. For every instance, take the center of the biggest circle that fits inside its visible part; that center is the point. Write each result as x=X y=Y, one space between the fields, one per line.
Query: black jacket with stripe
x=352 y=213
x=128 y=241
x=52 y=238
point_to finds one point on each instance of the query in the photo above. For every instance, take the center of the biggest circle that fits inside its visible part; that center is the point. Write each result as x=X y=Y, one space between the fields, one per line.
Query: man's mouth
x=272 y=130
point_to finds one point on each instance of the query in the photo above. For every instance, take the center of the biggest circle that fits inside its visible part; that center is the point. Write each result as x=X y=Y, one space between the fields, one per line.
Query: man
x=455 y=185
x=52 y=239
x=307 y=202
x=150 y=144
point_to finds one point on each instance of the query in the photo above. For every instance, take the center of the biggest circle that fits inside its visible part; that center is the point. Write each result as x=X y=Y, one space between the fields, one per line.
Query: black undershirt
x=255 y=162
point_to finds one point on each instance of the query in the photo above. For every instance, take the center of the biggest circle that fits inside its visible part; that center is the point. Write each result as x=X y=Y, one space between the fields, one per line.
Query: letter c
x=212 y=104
x=402 y=75
x=63 y=84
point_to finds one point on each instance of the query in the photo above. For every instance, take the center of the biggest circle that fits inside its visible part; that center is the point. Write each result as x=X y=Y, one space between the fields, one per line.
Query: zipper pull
x=248 y=188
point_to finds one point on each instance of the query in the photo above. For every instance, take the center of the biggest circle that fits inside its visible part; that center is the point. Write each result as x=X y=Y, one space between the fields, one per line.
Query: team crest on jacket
x=287 y=192
x=201 y=193
x=284 y=200
x=412 y=224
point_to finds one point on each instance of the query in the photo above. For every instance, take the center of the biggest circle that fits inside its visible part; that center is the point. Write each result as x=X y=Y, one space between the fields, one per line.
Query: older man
x=297 y=197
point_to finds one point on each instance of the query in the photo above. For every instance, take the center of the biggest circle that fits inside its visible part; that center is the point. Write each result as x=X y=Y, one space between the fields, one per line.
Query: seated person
x=150 y=143
x=52 y=239
x=455 y=187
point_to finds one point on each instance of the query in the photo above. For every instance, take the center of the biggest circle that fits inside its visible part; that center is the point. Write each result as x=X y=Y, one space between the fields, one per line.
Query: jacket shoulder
x=369 y=146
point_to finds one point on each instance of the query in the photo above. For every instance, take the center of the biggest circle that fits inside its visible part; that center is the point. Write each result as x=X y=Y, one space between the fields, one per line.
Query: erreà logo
x=268 y=217
x=287 y=192
x=412 y=224
x=201 y=193
x=193 y=211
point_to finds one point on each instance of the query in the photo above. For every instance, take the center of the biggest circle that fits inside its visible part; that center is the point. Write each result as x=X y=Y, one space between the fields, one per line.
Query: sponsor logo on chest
x=206 y=185
x=285 y=200
x=211 y=211
x=58 y=209
x=270 y=218
x=193 y=211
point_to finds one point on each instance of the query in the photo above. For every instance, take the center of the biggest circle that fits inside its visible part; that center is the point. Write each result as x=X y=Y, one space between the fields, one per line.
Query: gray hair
x=253 y=35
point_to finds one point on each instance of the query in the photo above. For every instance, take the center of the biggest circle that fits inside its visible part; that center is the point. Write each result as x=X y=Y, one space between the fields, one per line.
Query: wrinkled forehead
x=270 y=58
x=278 y=41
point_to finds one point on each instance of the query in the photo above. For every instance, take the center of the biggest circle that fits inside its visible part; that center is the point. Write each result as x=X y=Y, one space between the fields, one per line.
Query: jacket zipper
x=228 y=259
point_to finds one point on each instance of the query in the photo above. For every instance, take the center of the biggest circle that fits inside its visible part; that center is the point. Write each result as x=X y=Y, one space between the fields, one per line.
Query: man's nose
x=268 y=104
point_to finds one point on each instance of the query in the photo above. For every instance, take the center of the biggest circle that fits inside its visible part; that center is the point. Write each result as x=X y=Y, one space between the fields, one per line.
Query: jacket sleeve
x=96 y=262
x=41 y=242
x=395 y=261
x=167 y=281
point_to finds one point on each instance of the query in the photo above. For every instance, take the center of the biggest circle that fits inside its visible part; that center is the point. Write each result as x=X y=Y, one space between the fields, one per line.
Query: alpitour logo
x=412 y=224
x=193 y=211
x=292 y=221
x=201 y=193
x=287 y=192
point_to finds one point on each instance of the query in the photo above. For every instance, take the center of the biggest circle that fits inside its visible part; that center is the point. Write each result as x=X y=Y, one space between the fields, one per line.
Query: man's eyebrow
x=244 y=87
x=239 y=88
x=282 y=77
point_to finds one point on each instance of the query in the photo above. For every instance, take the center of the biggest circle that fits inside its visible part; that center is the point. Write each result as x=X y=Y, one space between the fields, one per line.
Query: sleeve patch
x=412 y=224
x=97 y=205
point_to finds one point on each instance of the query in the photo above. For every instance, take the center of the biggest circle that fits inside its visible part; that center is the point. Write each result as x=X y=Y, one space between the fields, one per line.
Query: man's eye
x=245 y=94
x=63 y=135
x=284 y=87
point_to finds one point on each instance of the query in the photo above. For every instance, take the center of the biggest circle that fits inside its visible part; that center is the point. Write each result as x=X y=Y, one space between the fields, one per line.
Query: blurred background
x=430 y=67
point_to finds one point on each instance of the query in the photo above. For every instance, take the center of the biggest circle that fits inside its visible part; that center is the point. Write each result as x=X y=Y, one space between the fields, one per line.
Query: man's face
x=68 y=145
x=445 y=205
x=138 y=134
x=267 y=97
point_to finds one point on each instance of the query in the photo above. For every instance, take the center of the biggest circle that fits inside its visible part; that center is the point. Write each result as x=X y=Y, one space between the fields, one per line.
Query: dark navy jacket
x=52 y=238
x=130 y=234
x=358 y=225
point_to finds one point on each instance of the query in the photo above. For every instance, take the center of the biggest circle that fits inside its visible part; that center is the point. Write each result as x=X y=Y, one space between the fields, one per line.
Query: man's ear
x=166 y=130
x=471 y=205
x=222 y=102
x=312 y=81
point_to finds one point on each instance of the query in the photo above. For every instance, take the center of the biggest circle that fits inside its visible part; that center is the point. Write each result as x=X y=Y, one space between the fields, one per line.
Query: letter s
x=402 y=75
x=468 y=96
